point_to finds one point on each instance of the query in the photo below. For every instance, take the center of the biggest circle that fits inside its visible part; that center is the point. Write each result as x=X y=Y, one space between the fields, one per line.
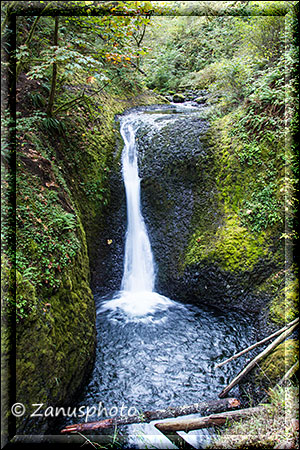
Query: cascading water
x=137 y=296
x=139 y=267
x=153 y=352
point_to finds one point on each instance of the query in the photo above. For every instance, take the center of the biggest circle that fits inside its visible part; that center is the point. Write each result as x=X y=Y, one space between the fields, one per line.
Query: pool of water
x=164 y=358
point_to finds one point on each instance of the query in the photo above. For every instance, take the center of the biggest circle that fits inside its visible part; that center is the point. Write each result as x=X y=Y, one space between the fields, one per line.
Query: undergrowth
x=275 y=426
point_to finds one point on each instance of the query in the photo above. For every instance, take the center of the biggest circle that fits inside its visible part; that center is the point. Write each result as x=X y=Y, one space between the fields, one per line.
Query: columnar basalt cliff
x=203 y=251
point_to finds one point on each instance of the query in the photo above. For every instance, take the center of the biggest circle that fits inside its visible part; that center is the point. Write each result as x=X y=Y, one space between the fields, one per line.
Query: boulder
x=200 y=100
x=178 y=98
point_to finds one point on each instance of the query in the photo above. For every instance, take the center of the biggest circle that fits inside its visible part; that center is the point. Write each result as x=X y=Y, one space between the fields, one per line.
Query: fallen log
x=208 y=421
x=255 y=360
x=263 y=341
x=212 y=406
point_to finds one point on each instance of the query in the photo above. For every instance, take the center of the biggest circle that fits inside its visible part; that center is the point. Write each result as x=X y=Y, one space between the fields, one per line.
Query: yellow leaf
x=91 y=79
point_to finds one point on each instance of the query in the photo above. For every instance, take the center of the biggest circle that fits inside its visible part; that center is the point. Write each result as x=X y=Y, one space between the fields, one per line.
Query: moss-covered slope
x=63 y=194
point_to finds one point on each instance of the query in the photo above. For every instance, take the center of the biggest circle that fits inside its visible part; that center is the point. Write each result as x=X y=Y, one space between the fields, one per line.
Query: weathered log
x=212 y=406
x=253 y=362
x=208 y=421
x=263 y=341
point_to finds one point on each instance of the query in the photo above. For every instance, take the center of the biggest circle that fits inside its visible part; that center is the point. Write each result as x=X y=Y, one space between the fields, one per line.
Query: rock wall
x=203 y=252
x=55 y=346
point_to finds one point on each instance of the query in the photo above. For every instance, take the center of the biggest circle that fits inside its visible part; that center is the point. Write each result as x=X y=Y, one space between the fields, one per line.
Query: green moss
x=63 y=191
x=233 y=247
x=284 y=306
x=277 y=364
x=56 y=345
x=26 y=298
x=178 y=97
x=46 y=226
x=244 y=236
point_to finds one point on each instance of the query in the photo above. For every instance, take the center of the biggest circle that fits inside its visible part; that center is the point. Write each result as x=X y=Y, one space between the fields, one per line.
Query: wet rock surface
x=178 y=191
x=107 y=268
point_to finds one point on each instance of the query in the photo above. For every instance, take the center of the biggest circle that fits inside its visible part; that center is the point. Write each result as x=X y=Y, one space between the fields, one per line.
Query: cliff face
x=56 y=343
x=194 y=188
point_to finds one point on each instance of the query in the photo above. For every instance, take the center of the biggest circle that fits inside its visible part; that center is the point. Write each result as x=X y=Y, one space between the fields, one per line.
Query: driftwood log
x=263 y=341
x=255 y=360
x=209 y=421
x=209 y=407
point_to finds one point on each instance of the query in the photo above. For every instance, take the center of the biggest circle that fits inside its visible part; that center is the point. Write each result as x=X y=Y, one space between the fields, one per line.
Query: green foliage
x=262 y=210
x=46 y=233
x=94 y=190
x=25 y=294
x=71 y=63
x=18 y=292
x=231 y=81
x=190 y=44
x=37 y=99
x=46 y=229
x=27 y=123
x=86 y=47
x=166 y=74
x=52 y=125
x=268 y=428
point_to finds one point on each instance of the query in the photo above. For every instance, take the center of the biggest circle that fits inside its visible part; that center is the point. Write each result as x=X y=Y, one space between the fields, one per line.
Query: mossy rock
x=200 y=100
x=273 y=367
x=237 y=249
x=56 y=337
x=233 y=247
x=284 y=307
x=55 y=346
x=178 y=98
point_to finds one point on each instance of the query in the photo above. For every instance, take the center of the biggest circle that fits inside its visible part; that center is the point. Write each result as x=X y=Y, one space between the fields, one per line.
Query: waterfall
x=137 y=297
x=139 y=266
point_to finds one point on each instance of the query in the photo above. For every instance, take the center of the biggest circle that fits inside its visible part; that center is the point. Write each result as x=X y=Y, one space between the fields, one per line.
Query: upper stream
x=153 y=352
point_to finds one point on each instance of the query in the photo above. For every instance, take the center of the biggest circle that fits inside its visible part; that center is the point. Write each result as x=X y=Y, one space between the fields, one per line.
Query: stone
x=200 y=100
x=178 y=98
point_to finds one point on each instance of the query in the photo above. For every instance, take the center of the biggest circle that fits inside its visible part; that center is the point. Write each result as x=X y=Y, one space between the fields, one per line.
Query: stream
x=154 y=352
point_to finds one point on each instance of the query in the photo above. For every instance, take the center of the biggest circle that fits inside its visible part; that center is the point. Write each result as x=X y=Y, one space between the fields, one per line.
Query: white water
x=138 y=273
x=137 y=296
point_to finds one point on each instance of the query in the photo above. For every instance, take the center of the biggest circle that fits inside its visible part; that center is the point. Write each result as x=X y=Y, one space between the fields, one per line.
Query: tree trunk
x=54 y=74
x=205 y=422
x=212 y=406
x=30 y=36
